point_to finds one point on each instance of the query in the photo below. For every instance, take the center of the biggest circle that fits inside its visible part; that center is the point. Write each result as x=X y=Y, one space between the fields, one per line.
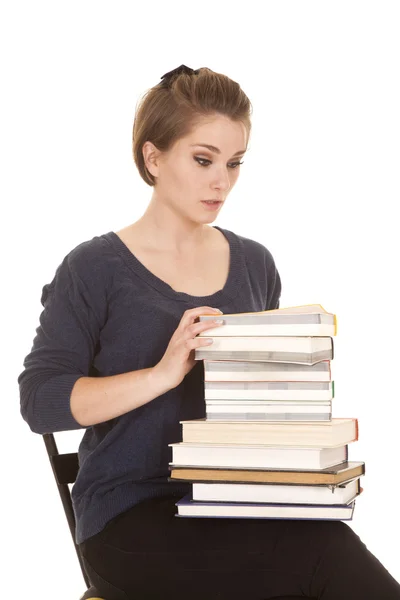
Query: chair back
x=65 y=469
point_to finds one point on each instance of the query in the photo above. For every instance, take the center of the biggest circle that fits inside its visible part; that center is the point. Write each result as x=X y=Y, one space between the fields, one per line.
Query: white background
x=319 y=187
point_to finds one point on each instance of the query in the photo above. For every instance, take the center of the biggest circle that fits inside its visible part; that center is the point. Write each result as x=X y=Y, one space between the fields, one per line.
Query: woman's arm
x=98 y=399
x=66 y=342
x=57 y=391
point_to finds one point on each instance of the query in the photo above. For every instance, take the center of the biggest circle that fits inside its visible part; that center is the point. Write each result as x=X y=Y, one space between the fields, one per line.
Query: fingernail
x=218 y=321
x=209 y=341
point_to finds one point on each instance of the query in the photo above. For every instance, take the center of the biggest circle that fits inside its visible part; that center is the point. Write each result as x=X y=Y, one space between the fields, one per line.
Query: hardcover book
x=300 y=350
x=331 y=476
x=276 y=494
x=269 y=390
x=189 y=508
x=230 y=370
x=326 y=434
x=307 y=320
x=239 y=456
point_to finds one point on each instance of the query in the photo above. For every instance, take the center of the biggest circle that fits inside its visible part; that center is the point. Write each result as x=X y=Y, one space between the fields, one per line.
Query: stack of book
x=269 y=447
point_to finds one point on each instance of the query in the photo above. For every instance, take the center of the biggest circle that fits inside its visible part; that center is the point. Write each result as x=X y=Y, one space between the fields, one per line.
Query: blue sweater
x=104 y=314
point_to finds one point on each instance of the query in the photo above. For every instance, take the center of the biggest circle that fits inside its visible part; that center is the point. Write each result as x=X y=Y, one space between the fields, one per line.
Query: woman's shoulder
x=254 y=249
x=94 y=261
x=90 y=264
x=93 y=251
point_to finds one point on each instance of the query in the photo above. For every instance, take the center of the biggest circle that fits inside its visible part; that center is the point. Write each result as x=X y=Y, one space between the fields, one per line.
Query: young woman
x=114 y=354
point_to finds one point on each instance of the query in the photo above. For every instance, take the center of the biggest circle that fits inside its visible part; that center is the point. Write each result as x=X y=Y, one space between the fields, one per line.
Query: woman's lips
x=211 y=204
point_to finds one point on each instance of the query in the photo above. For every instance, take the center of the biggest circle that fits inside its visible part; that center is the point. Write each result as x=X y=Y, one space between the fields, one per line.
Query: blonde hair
x=166 y=113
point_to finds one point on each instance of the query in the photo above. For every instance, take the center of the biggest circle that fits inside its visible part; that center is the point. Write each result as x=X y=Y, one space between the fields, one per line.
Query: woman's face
x=190 y=173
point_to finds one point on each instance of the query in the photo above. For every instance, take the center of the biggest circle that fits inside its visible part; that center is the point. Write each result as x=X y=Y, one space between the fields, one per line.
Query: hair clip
x=167 y=77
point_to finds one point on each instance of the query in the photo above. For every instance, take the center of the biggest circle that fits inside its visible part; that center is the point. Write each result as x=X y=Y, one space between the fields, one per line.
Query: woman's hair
x=167 y=113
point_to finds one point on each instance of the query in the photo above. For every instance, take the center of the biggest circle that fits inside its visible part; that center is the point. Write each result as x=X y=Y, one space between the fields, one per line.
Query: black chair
x=65 y=468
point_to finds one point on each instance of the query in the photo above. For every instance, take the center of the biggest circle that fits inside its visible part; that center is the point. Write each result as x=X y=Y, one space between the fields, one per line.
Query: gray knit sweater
x=104 y=314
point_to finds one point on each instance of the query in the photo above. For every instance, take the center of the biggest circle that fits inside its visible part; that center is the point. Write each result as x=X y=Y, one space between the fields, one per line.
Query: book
x=264 y=410
x=326 y=434
x=255 y=456
x=301 y=350
x=276 y=494
x=229 y=370
x=333 y=475
x=189 y=508
x=269 y=390
x=307 y=320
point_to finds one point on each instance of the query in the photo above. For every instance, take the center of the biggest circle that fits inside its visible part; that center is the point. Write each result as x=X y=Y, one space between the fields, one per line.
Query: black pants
x=148 y=553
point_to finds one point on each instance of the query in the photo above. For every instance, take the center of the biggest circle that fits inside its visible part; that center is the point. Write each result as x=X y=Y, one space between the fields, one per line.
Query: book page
x=303 y=309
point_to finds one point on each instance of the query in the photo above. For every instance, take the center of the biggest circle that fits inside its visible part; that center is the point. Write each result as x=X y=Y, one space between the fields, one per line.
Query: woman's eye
x=201 y=162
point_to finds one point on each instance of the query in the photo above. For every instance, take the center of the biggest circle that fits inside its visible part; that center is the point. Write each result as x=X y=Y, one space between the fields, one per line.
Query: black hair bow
x=167 y=77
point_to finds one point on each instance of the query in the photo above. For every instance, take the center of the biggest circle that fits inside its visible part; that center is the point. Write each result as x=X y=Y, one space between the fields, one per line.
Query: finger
x=196 y=328
x=193 y=343
x=191 y=314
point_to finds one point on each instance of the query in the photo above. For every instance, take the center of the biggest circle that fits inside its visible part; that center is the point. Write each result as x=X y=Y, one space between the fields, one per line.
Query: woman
x=114 y=353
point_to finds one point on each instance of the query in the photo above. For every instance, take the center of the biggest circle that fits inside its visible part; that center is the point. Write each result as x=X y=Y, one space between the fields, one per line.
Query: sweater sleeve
x=62 y=351
x=274 y=284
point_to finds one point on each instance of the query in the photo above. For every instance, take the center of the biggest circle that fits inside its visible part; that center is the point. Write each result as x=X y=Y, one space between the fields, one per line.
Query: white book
x=314 y=417
x=189 y=508
x=302 y=350
x=323 y=434
x=272 y=405
x=276 y=494
x=256 y=456
x=308 y=320
x=269 y=390
x=314 y=411
x=233 y=370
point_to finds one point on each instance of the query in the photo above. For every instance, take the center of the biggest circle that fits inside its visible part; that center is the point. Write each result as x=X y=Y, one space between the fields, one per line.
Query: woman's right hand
x=178 y=359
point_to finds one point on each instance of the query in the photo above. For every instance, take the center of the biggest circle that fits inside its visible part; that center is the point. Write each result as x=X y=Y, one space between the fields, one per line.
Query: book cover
x=331 y=476
x=187 y=507
x=269 y=390
x=276 y=494
x=239 y=456
x=311 y=319
x=293 y=349
x=229 y=370
x=326 y=434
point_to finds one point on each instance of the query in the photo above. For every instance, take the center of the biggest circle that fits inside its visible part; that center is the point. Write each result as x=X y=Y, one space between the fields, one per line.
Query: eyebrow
x=217 y=150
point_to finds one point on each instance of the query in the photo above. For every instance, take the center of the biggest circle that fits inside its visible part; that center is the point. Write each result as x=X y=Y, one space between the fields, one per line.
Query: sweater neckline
x=227 y=293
